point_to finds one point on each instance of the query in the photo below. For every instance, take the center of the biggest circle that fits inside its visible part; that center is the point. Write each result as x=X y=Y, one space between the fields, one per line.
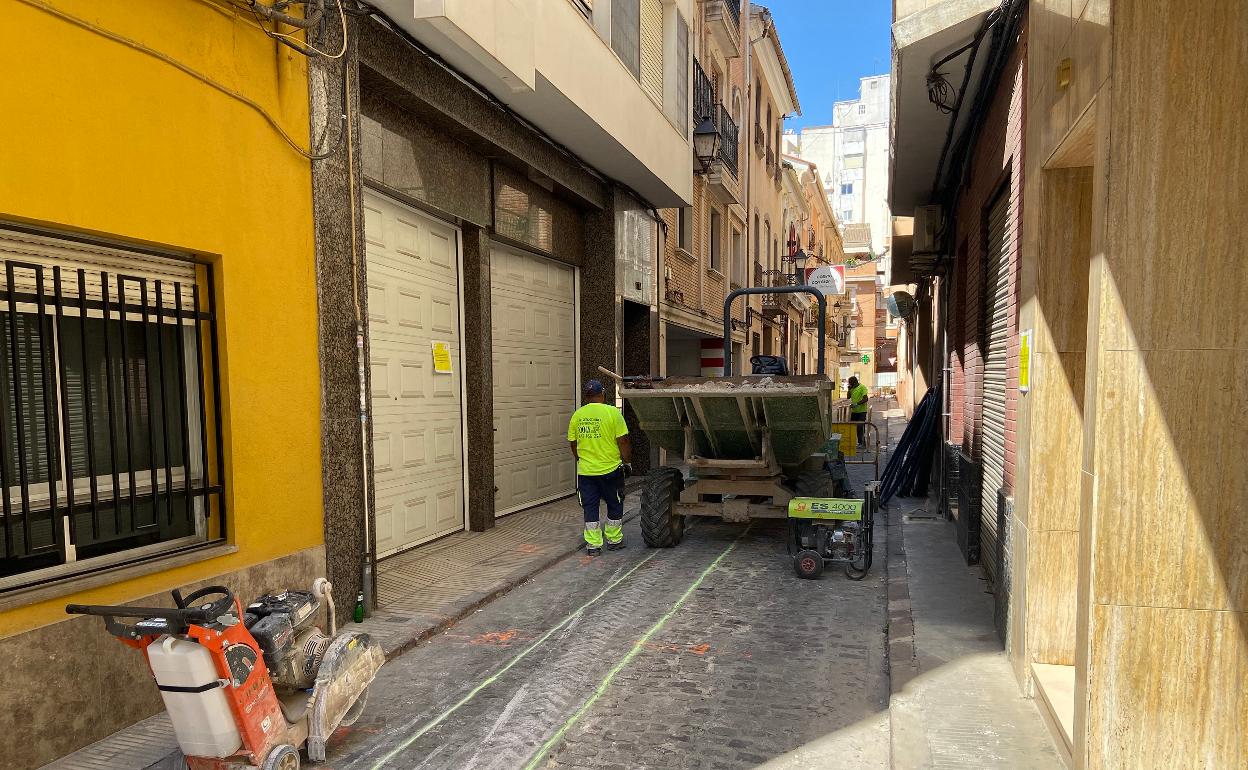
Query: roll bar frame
x=822 y=322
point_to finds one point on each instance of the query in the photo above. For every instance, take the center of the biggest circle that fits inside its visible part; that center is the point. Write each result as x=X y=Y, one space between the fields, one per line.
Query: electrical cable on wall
x=205 y=79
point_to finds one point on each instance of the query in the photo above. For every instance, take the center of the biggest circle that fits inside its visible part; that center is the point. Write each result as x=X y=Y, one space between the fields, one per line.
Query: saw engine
x=293 y=647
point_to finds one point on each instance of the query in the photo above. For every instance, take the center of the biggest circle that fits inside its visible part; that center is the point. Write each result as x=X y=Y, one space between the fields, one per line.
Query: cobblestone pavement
x=712 y=654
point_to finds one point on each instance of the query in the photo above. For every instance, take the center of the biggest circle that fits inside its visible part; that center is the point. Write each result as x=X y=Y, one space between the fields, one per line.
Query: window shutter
x=652 y=48
x=625 y=18
x=682 y=73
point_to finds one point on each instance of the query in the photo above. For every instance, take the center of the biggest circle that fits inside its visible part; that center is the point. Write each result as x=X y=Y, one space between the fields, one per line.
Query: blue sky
x=829 y=45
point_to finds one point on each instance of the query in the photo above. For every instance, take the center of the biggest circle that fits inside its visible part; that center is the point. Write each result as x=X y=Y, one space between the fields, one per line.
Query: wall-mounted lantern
x=706 y=143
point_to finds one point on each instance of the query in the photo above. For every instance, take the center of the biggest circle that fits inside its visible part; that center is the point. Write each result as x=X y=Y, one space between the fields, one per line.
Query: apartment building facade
x=853 y=155
x=705 y=254
x=1072 y=440
x=494 y=218
x=736 y=233
x=159 y=424
x=778 y=326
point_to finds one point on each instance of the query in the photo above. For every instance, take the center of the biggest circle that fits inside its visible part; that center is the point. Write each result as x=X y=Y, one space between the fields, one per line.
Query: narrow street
x=344 y=340
x=710 y=654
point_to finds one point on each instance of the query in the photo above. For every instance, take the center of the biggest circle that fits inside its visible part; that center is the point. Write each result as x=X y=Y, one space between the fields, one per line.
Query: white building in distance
x=852 y=156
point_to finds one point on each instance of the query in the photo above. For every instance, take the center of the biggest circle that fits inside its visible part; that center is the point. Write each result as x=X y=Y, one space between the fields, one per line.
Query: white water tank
x=202 y=720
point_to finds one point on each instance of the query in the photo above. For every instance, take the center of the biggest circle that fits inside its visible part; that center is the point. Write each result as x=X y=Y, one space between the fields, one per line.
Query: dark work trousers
x=609 y=489
x=862 y=432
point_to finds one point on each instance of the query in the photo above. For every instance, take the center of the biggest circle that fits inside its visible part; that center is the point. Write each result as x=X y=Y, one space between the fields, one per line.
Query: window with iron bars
x=106 y=379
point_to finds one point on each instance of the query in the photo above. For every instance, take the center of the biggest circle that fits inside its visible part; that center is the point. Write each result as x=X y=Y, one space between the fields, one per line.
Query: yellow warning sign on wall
x=1024 y=361
x=441 y=358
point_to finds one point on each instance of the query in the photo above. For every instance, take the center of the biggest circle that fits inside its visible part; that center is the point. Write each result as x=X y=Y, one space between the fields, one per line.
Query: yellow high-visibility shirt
x=856 y=395
x=595 y=428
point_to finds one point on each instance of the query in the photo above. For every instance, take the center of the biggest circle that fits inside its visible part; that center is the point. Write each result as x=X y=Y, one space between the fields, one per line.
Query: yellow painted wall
x=104 y=139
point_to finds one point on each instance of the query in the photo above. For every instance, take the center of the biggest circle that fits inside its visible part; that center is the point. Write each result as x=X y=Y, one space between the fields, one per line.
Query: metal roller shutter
x=996 y=314
x=652 y=48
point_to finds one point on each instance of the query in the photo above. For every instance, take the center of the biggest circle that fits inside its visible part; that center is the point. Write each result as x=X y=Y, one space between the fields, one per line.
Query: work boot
x=615 y=546
x=591 y=551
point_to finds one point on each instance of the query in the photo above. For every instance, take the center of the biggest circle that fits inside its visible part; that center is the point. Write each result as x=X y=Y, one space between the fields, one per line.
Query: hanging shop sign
x=441 y=358
x=829 y=279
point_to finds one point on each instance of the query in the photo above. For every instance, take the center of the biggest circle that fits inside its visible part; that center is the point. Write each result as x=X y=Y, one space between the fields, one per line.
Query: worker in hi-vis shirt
x=599 y=440
x=858 y=407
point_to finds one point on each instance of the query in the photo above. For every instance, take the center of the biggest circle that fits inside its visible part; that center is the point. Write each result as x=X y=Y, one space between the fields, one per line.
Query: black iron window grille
x=110 y=433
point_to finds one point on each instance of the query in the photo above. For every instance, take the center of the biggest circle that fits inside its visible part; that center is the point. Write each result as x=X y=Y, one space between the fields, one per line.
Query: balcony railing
x=734 y=10
x=703 y=94
x=727 y=139
x=771 y=158
x=857 y=234
x=773 y=278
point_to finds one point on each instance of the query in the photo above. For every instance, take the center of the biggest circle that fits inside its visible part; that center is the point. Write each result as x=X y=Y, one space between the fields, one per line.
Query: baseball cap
x=593 y=388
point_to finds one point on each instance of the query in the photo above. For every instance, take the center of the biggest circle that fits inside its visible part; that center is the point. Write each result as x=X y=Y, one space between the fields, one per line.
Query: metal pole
x=821 y=323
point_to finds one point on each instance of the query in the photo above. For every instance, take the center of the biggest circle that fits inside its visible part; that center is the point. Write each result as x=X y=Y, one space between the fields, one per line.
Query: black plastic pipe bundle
x=910 y=466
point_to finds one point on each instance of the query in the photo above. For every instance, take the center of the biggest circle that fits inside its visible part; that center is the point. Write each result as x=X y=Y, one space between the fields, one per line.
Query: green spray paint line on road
x=508 y=666
x=605 y=684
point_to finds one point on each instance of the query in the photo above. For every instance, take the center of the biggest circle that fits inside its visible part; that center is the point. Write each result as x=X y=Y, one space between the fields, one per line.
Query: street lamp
x=706 y=142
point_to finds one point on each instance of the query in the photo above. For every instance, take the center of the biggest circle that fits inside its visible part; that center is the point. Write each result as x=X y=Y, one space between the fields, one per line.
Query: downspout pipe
x=822 y=322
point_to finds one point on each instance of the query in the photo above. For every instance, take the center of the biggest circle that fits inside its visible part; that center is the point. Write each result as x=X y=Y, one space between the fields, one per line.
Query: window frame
x=66 y=282
x=684 y=229
x=715 y=234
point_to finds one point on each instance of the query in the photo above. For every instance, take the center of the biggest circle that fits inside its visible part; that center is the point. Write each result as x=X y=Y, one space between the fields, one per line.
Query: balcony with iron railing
x=721 y=171
x=703 y=94
x=774 y=304
x=723 y=18
x=728 y=147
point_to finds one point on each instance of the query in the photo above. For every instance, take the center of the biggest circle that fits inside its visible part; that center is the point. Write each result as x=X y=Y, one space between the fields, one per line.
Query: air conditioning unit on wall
x=928 y=223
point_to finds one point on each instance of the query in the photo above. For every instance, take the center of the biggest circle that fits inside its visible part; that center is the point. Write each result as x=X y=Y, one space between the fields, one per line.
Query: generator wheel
x=283 y=757
x=661 y=526
x=815 y=484
x=808 y=564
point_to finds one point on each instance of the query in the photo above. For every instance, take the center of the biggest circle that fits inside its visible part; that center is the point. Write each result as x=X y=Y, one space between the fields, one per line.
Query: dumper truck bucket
x=786 y=419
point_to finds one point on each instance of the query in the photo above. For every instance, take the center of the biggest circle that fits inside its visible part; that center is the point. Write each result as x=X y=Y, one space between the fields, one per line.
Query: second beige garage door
x=534 y=357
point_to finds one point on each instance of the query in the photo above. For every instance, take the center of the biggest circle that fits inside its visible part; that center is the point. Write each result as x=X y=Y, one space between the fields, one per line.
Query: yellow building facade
x=158 y=141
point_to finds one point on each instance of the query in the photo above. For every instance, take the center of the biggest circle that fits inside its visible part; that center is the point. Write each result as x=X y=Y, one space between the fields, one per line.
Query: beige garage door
x=413 y=301
x=534 y=354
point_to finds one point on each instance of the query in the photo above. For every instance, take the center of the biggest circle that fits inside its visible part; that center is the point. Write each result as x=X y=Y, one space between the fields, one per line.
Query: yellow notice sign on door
x=441 y=358
x=1024 y=361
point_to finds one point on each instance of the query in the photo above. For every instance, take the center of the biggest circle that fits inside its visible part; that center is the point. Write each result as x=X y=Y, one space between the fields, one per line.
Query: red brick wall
x=996 y=165
x=957 y=353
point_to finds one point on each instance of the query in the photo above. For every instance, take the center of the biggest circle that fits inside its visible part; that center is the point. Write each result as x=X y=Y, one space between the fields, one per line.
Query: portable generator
x=248 y=687
x=826 y=530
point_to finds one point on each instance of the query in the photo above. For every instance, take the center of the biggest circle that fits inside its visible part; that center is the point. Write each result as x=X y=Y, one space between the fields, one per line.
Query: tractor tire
x=661 y=526
x=808 y=564
x=815 y=484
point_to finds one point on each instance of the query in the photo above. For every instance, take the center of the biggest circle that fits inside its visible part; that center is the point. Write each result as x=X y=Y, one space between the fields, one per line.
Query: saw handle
x=181 y=616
